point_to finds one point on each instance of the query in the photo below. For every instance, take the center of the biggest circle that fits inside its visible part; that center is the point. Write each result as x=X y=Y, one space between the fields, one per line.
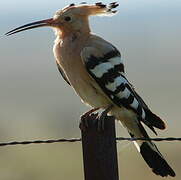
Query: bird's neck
x=73 y=35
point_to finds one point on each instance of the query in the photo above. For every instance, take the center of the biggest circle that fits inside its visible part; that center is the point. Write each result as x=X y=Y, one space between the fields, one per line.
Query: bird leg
x=85 y=118
x=101 y=118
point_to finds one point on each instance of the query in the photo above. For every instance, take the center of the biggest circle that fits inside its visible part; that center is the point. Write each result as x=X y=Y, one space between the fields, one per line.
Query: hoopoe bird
x=94 y=68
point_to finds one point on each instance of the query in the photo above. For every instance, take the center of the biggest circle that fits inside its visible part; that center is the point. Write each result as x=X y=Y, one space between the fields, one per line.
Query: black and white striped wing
x=108 y=71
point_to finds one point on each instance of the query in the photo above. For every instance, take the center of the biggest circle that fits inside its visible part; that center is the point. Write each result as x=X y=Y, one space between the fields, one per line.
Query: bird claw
x=85 y=120
x=101 y=118
x=86 y=117
x=100 y=121
x=90 y=119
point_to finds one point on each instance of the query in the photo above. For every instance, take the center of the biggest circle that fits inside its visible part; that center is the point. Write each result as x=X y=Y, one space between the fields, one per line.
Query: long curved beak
x=46 y=22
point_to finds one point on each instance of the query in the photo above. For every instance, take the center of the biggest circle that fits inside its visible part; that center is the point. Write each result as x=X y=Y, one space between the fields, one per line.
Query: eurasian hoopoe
x=94 y=69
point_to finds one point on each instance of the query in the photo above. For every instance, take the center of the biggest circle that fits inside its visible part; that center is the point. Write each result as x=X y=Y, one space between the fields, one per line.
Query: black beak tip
x=42 y=23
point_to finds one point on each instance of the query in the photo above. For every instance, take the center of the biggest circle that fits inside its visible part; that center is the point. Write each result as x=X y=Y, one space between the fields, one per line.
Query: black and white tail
x=151 y=154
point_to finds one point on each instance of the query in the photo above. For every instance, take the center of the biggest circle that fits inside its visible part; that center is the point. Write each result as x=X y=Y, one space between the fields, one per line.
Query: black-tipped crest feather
x=72 y=5
x=109 y=7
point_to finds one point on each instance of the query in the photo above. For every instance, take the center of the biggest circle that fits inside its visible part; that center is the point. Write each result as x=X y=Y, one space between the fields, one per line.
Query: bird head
x=71 y=18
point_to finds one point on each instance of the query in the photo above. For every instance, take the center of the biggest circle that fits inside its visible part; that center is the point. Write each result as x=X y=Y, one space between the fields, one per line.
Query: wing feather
x=62 y=73
x=108 y=71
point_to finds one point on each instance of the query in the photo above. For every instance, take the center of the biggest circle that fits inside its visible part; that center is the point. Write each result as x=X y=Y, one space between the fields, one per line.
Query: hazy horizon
x=36 y=102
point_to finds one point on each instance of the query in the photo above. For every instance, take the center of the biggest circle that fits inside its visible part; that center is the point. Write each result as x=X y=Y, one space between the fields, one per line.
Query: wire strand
x=50 y=141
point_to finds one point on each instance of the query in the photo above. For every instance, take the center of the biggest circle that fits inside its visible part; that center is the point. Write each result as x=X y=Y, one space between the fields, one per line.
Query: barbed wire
x=49 y=141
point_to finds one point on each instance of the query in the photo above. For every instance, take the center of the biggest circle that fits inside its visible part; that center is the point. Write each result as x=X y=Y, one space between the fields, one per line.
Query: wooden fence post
x=99 y=151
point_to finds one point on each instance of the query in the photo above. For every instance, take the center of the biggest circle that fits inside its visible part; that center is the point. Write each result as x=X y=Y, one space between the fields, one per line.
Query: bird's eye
x=67 y=18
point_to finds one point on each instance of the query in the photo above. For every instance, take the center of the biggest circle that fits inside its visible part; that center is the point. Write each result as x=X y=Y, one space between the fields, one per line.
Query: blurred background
x=35 y=103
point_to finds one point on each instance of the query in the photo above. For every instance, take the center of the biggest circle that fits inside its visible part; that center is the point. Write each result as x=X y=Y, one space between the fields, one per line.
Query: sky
x=36 y=103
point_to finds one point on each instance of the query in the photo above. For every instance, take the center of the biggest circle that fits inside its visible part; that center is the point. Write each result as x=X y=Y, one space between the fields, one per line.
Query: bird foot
x=91 y=118
x=86 y=117
x=101 y=118
x=100 y=121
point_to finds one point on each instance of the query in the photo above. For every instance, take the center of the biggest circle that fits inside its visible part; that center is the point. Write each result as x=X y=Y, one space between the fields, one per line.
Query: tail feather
x=155 y=160
x=153 y=120
x=151 y=154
